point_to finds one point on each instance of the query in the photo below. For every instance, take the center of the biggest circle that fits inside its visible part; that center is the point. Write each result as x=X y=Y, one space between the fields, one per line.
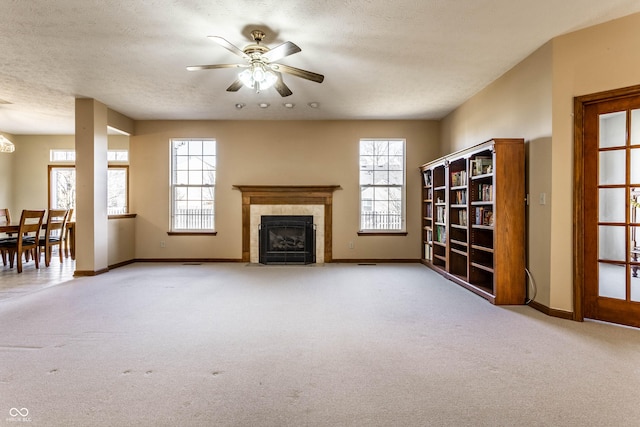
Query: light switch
x=543 y=198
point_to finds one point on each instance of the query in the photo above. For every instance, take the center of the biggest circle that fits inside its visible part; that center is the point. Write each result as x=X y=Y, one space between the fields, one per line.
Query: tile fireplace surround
x=258 y=200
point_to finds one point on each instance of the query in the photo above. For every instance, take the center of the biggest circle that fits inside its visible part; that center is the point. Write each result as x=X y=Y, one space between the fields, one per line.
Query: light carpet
x=335 y=345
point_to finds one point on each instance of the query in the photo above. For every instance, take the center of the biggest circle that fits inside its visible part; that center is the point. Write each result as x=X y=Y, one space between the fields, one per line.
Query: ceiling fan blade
x=214 y=66
x=279 y=52
x=281 y=87
x=235 y=86
x=225 y=44
x=298 y=72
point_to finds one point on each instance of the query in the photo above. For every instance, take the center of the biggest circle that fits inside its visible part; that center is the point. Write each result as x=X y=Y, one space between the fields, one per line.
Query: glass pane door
x=618 y=209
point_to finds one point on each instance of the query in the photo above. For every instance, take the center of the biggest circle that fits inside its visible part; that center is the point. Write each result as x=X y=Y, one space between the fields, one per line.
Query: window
x=62 y=181
x=69 y=156
x=62 y=156
x=117 y=190
x=382 y=185
x=193 y=179
x=120 y=156
x=62 y=188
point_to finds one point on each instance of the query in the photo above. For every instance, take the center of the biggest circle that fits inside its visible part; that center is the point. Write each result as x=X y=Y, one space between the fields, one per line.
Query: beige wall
x=517 y=105
x=275 y=153
x=121 y=243
x=514 y=106
x=6 y=176
x=534 y=101
x=596 y=59
x=30 y=163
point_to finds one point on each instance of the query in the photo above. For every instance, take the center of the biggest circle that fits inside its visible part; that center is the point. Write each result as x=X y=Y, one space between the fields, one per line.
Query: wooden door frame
x=579 y=105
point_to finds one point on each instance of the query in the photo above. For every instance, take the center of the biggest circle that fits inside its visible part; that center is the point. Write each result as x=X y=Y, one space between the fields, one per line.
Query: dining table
x=69 y=246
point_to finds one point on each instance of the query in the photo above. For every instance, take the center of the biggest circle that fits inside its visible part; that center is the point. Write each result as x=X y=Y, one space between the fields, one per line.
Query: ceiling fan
x=260 y=70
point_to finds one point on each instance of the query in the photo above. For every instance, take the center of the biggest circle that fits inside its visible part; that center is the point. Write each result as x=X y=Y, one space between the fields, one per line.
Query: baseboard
x=334 y=261
x=373 y=261
x=568 y=315
x=85 y=273
x=183 y=260
x=121 y=264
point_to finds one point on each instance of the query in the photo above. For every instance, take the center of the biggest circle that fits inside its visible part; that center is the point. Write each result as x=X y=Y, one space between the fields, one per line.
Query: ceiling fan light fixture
x=258 y=77
x=6 y=146
x=261 y=69
x=314 y=104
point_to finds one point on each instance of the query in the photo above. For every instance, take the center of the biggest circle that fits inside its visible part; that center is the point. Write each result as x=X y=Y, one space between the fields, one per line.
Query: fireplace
x=287 y=239
x=316 y=200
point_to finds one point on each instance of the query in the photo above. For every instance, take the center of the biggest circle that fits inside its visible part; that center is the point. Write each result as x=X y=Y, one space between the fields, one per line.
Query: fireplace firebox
x=287 y=239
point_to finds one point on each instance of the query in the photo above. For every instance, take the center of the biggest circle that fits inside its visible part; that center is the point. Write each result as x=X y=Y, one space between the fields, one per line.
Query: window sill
x=382 y=233
x=192 y=233
x=122 y=216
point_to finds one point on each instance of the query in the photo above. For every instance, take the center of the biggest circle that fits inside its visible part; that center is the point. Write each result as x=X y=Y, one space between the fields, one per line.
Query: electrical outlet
x=351 y=245
x=163 y=244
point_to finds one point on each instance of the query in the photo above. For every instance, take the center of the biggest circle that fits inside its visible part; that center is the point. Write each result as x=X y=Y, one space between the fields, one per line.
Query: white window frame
x=57 y=155
x=368 y=166
x=180 y=187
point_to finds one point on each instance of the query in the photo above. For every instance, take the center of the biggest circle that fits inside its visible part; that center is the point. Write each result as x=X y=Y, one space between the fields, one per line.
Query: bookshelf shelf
x=476 y=233
x=482 y=267
x=482 y=248
x=459 y=252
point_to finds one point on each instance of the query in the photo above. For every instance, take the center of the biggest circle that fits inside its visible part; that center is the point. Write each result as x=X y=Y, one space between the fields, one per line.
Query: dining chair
x=5 y=219
x=66 y=237
x=27 y=239
x=5 y=216
x=53 y=234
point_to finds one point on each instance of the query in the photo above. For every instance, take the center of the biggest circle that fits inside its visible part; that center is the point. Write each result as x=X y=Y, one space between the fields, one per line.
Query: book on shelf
x=487 y=218
x=427 y=251
x=460 y=197
x=458 y=178
x=441 y=234
x=426 y=175
x=482 y=165
x=485 y=192
x=462 y=217
x=484 y=216
x=440 y=214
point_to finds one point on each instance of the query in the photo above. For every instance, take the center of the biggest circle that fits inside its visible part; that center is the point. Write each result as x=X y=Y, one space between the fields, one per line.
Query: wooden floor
x=33 y=279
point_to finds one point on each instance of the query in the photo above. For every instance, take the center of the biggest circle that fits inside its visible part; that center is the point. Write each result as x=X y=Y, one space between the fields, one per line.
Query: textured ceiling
x=406 y=59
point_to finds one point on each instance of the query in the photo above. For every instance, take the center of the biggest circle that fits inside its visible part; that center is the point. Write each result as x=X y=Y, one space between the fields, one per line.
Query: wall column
x=91 y=188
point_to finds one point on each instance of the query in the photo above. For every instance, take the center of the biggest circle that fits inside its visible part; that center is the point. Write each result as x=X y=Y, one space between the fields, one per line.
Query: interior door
x=611 y=211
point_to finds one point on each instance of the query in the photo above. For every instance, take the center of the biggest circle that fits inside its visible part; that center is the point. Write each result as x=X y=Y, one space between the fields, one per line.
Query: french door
x=611 y=209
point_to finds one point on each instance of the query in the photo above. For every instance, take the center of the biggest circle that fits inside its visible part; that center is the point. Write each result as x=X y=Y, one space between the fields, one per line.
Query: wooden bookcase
x=474 y=219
